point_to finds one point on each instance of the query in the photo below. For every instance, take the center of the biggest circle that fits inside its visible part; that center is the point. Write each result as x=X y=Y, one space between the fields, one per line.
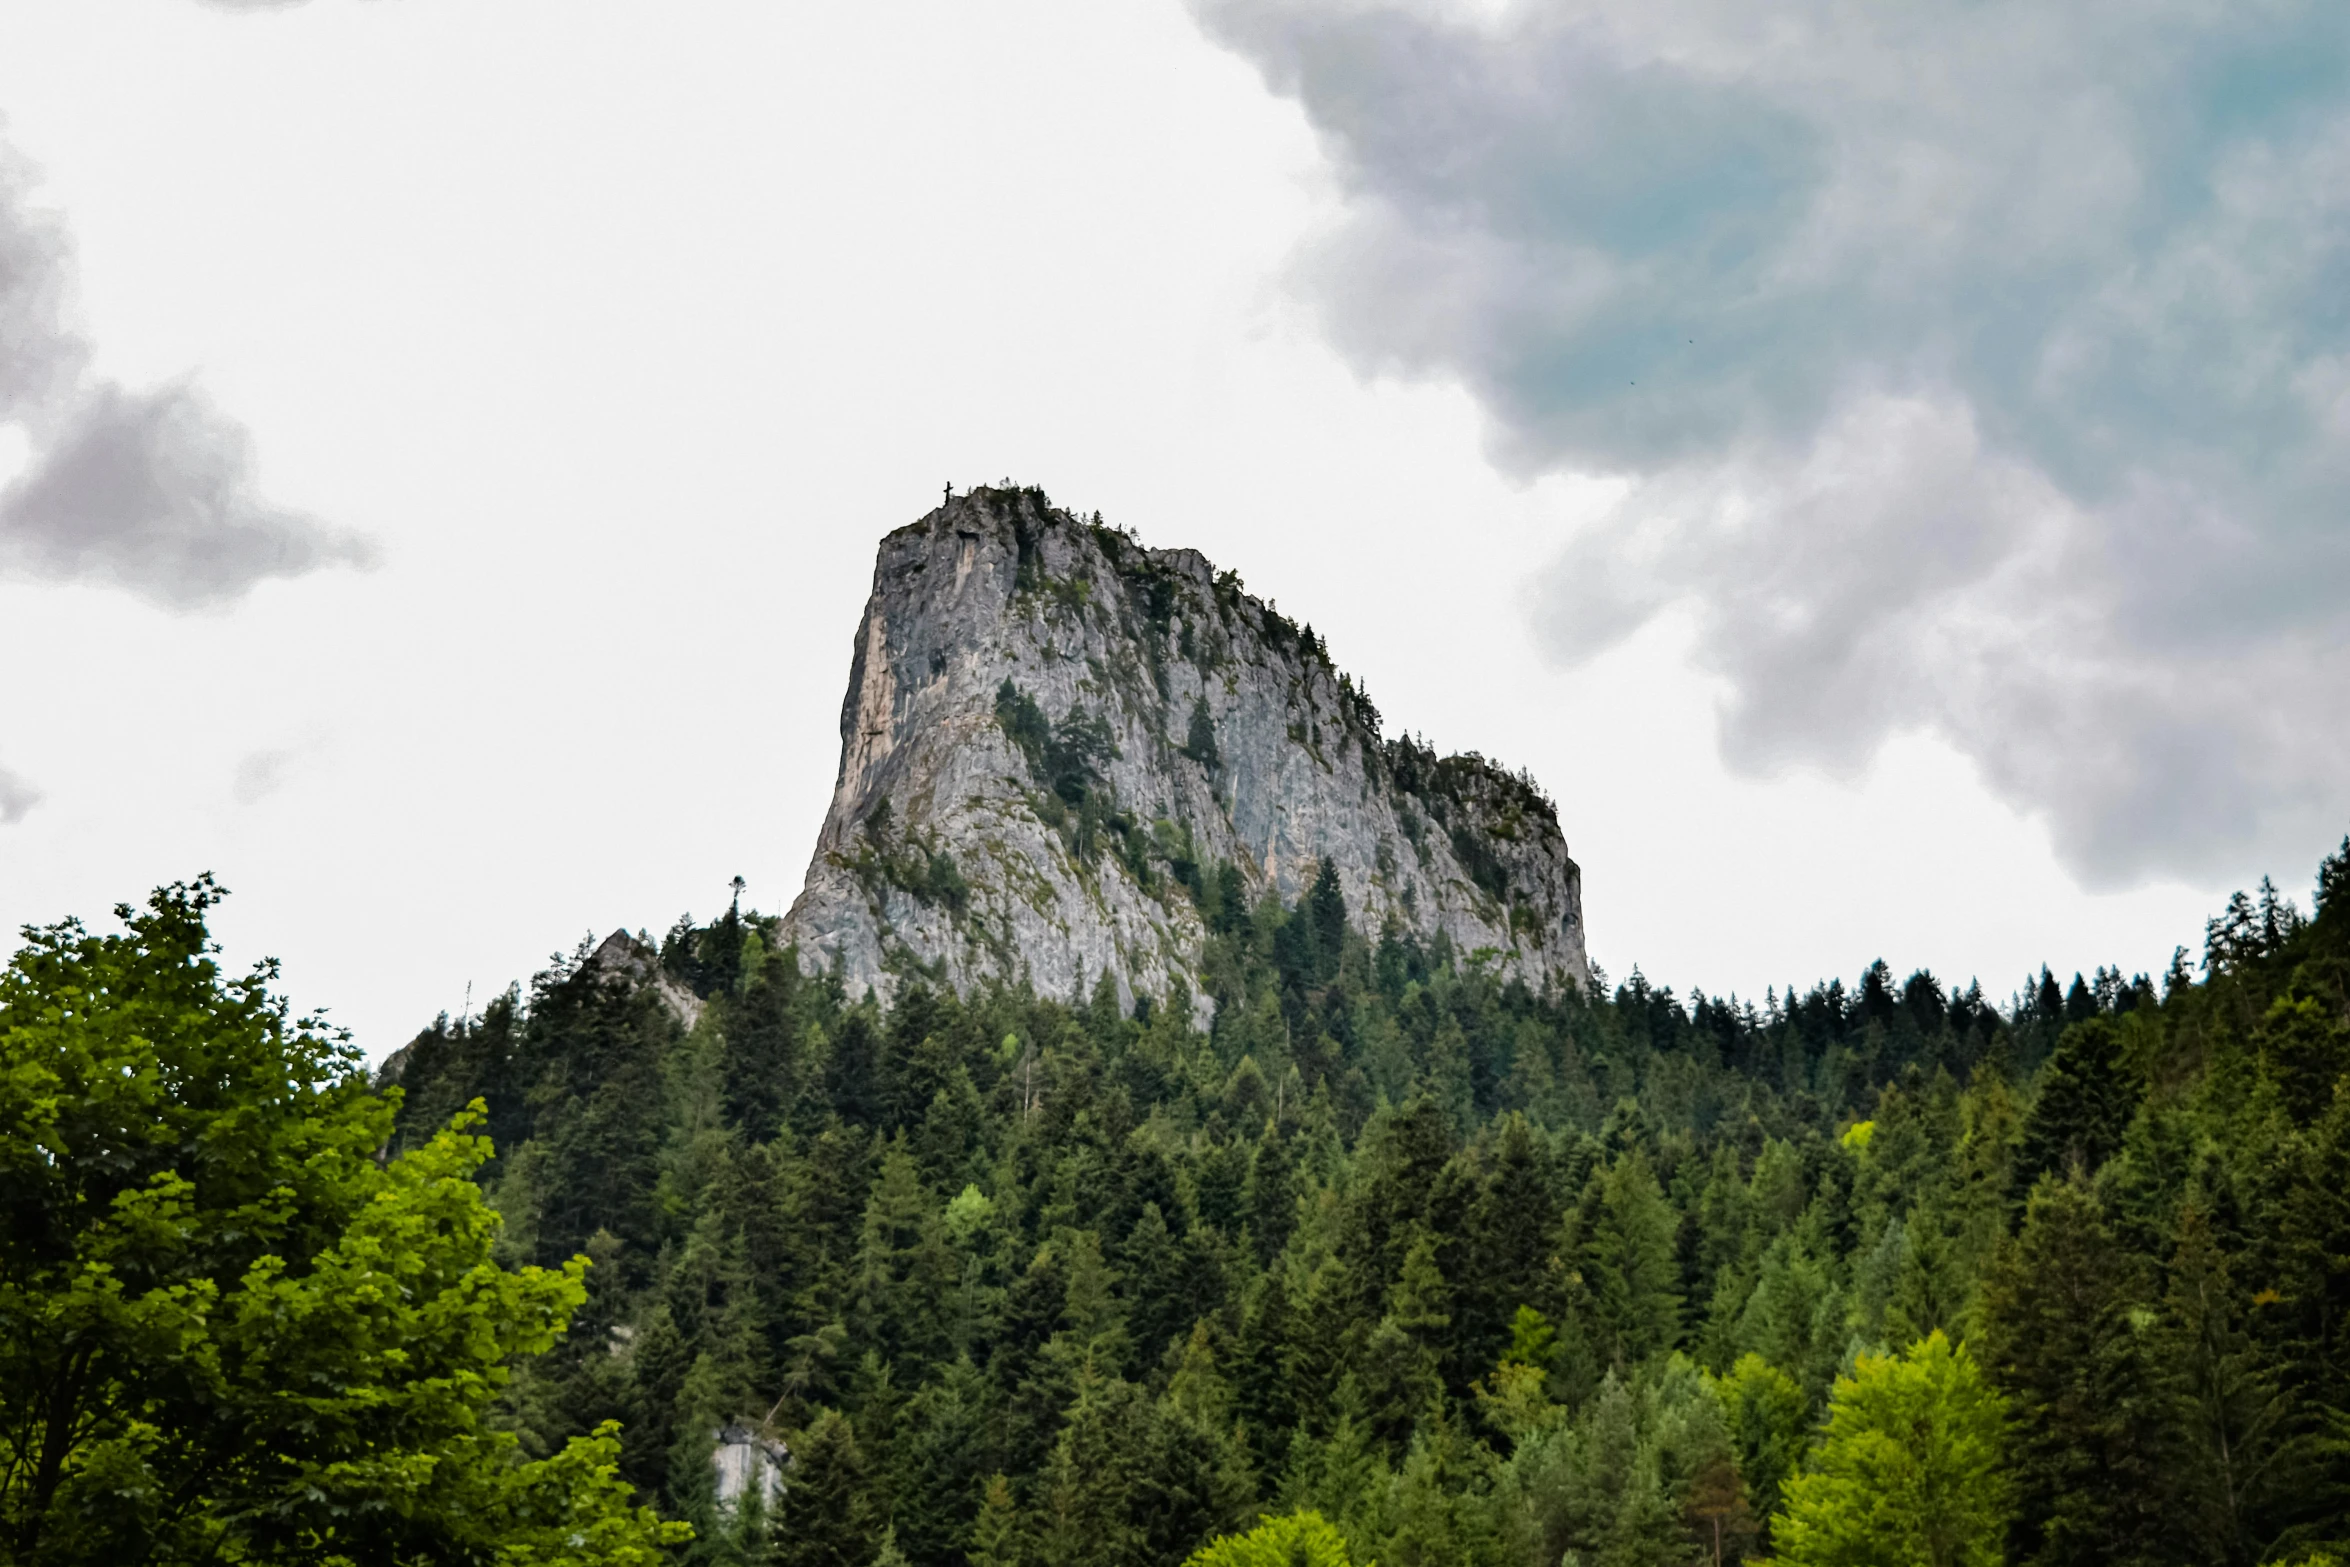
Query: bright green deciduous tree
x=227 y=1333
x=1908 y=1473
x=1298 y=1540
x=1769 y=1420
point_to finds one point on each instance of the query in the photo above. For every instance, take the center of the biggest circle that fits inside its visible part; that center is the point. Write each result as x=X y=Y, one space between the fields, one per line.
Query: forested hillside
x=1481 y=1275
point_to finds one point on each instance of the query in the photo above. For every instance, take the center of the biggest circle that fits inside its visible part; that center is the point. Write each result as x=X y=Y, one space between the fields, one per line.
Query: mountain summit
x=1067 y=755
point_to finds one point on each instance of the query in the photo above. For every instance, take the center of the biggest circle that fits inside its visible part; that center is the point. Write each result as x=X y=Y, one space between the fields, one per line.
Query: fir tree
x=826 y=1517
x=997 y=1539
x=1623 y=1235
x=2067 y=1340
x=2085 y=1101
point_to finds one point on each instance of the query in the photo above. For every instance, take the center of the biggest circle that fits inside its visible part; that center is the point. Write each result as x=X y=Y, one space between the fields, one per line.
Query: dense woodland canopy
x=1890 y=1273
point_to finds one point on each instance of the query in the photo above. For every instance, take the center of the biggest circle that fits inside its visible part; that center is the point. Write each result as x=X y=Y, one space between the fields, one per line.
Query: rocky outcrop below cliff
x=1052 y=732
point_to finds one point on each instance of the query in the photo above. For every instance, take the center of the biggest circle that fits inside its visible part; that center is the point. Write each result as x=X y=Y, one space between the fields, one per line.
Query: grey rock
x=1183 y=721
x=747 y=1460
x=629 y=961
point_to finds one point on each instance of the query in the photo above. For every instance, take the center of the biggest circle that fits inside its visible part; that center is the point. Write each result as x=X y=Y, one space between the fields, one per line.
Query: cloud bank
x=1979 y=369
x=153 y=491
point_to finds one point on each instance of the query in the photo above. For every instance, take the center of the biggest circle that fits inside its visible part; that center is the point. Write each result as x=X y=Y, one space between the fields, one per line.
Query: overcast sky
x=1880 y=466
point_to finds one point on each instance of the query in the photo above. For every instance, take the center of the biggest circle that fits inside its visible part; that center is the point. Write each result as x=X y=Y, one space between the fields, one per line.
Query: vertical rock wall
x=1049 y=727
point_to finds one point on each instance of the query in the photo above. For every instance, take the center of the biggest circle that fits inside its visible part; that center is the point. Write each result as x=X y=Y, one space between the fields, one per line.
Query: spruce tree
x=936 y=1486
x=2086 y=1097
x=997 y=1538
x=2223 y=1402
x=905 y=1274
x=2067 y=1339
x=1623 y=1236
x=827 y=1517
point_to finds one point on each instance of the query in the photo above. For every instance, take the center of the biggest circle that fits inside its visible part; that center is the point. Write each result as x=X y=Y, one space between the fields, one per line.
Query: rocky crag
x=1052 y=733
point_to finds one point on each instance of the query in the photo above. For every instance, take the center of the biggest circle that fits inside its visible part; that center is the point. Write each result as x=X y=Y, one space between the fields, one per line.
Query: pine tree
x=760 y=1062
x=2301 y=1251
x=659 y=1361
x=1345 y=1475
x=1326 y=903
x=1199 y=740
x=1331 y=1323
x=1933 y=1289
x=1507 y=1249
x=1152 y=1271
x=1439 y=1517
x=1401 y=1363
x=1091 y=1311
x=2304 y=1049
x=1269 y=1201
x=1087 y=1515
x=1447 y=1080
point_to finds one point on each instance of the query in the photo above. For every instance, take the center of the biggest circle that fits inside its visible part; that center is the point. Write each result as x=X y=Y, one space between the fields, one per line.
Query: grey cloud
x=16 y=797
x=150 y=491
x=39 y=357
x=1978 y=369
x=153 y=492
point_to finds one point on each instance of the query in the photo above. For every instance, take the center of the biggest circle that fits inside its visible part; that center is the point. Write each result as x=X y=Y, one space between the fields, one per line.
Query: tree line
x=1358 y=1253
x=1474 y=1273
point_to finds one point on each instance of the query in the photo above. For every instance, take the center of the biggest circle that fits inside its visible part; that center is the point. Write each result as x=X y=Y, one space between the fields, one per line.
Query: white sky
x=626 y=330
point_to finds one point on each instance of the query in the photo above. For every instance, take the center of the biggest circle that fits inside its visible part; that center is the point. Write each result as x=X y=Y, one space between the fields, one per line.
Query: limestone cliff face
x=1050 y=731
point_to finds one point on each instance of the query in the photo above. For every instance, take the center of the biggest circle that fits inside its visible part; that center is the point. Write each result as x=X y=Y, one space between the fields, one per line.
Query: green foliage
x=1068 y=760
x=227 y=1331
x=1474 y=1273
x=2084 y=1106
x=1025 y=725
x=912 y=862
x=1199 y=742
x=1296 y=1540
x=1643 y=1470
x=2069 y=1338
x=1622 y=1236
x=827 y=1518
x=2304 y=1049
x=1769 y=1422
x=1910 y=1469
x=1066 y=757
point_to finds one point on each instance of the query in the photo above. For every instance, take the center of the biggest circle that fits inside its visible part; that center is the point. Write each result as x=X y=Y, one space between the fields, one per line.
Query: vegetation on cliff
x=1051 y=734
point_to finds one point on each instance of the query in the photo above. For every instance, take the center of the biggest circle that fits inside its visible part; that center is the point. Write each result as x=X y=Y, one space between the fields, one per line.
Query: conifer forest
x=1890 y=1273
x=1389 y=1262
